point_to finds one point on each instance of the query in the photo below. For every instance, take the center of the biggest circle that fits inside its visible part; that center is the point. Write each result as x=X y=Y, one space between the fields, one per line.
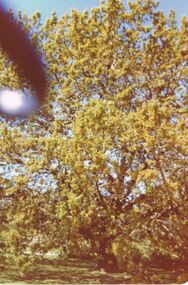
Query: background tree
x=102 y=168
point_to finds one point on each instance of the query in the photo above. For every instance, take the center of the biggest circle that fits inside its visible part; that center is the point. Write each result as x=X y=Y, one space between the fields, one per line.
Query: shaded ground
x=56 y=272
x=74 y=271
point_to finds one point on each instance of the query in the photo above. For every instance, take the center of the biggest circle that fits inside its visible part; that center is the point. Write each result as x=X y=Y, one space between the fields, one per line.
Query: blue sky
x=60 y=6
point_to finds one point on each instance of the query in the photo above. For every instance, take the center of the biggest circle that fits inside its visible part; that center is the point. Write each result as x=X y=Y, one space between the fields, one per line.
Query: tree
x=102 y=167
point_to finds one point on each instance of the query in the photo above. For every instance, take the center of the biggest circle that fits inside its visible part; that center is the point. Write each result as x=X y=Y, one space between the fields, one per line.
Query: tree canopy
x=101 y=169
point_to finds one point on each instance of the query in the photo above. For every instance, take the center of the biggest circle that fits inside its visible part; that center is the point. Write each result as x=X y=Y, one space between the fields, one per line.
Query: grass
x=74 y=271
x=67 y=272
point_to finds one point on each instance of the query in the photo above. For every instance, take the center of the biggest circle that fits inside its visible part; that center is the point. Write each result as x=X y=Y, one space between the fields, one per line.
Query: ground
x=56 y=272
x=73 y=271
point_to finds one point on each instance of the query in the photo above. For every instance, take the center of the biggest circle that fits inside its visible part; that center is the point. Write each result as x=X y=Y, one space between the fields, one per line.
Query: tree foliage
x=102 y=168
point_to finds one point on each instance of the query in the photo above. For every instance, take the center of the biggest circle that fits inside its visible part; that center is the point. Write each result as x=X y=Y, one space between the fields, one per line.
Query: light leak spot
x=16 y=103
x=10 y=101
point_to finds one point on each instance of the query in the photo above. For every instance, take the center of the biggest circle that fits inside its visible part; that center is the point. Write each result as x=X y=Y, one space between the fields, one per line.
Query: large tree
x=102 y=167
